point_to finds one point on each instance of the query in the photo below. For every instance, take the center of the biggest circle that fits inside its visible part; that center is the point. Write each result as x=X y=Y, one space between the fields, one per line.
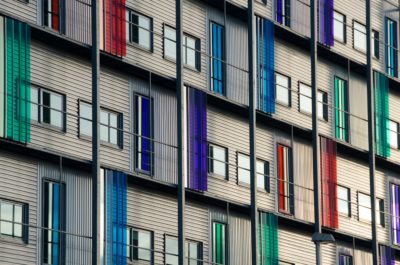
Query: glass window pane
x=219 y=156
x=393 y=132
x=282 y=89
x=360 y=39
x=169 y=42
x=104 y=126
x=144 y=32
x=190 y=51
x=171 y=250
x=18 y=220
x=343 y=203
x=56 y=115
x=261 y=174
x=305 y=98
x=144 y=252
x=6 y=211
x=338 y=26
x=364 y=207
x=45 y=108
x=322 y=105
x=34 y=103
x=243 y=168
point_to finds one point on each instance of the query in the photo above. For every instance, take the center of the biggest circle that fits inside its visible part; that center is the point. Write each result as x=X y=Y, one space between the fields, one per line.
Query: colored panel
x=279 y=11
x=391 y=47
x=387 y=255
x=217 y=58
x=219 y=243
x=265 y=65
x=329 y=183
x=116 y=237
x=18 y=81
x=341 y=110
x=326 y=22
x=395 y=213
x=268 y=239
x=114 y=27
x=2 y=74
x=285 y=178
x=144 y=146
x=197 y=137
x=382 y=134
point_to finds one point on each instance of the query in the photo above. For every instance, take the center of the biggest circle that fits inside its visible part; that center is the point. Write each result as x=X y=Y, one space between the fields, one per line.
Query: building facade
x=46 y=132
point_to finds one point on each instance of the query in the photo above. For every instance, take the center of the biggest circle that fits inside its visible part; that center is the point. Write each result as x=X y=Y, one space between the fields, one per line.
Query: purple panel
x=279 y=10
x=197 y=119
x=397 y=214
x=387 y=255
x=326 y=22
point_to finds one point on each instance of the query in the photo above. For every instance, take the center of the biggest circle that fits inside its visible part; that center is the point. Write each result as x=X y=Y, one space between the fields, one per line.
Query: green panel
x=341 y=110
x=2 y=75
x=268 y=239
x=17 y=81
x=219 y=243
x=382 y=133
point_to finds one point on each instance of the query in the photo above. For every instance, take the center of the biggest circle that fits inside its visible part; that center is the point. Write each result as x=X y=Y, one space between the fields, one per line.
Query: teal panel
x=382 y=133
x=268 y=239
x=17 y=81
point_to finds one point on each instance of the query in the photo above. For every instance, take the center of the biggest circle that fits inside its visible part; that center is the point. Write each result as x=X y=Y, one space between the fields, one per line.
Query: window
x=344 y=204
x=217 y=60
x=190 y=51
x=375 y=44
x=139 y=29
x=339 y=27
x=218 y=243
x=360 y=36
x=51 y=14
x=144 y=134
x=282 y=89
x=395 y=212
x=283 y=12
x=217 y=160
x=193 y=251
x=305 y=98
x=341 y=110
x=244 y=171
x=140 y=245
x=285 y=179
x=364 y=207
x=380 y=212
x=345 y=259
x=110 y=124
x=391 y=47
x=53 y=222
x=394 y=134
x=322 y=105
x=12 y=217
x=48 y=107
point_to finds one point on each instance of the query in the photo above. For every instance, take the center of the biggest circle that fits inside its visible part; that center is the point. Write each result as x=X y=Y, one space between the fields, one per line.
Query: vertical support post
x=180 y=109
x=95 y=135
x=315 y=133
x=252 y=131
x=371 y=134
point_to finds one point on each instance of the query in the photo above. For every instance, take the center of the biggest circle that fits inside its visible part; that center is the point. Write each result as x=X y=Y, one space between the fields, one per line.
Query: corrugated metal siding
x=165 y=132
x=18 y=183
x=78 y=210
x=24 y=11
x=78 y=20
x=394 y=114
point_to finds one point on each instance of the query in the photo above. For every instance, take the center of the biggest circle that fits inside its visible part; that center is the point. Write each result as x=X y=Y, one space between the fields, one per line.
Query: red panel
x=329 y=183
x=282 y=194
x=114 y=27
x=55 y=17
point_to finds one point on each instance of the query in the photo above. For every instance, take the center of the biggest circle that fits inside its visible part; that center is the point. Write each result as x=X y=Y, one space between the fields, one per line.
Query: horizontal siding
x=18 y=183
x=20 y=9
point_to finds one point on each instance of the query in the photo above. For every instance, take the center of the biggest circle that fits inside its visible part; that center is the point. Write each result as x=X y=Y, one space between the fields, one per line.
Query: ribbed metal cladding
x=78 y=219
x=164 y=102
x=77 y=20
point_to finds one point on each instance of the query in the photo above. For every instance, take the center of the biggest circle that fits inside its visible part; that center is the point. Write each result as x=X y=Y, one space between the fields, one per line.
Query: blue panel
x=265 y=65
x=146 y=135
x=217 y=64
x=56 y=224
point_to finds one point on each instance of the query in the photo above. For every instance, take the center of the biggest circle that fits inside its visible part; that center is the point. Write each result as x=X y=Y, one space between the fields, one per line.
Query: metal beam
x=315 y=134
x=95 y=135
x=180 y=109
x=371 y=134
x=252 y=131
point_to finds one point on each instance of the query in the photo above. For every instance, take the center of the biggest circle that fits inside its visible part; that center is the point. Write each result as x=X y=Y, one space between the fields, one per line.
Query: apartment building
x=46 y=193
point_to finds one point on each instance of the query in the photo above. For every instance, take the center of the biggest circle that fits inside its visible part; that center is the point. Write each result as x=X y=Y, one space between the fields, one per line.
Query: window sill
x=219 y=177
x=246 y=185
x=185 y=66
x=339 y=42
x=139 y=47
x=13 y=240
x=102 y=143
x=52 y=128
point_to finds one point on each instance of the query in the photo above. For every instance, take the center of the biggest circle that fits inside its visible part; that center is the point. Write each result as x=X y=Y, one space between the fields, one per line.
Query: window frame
x=267 y=176
x=395 y=67
x=301 y=95
x=24 y=238
x=226 y=231
x=325 y=109
x=40 y=106
x=375 y=49
x=354 y=39
x=187 y=240
x=380 y=214
x=289 y=90
x=209 y=158
x=197 y=51
x=346 y=255
x=223 y=60
x=151 y=30
x=361 y=219
x=290 y=182
x=344 y=23
x=397 y=133
x=348 y=215
x=132 y=247
x=120 y=118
